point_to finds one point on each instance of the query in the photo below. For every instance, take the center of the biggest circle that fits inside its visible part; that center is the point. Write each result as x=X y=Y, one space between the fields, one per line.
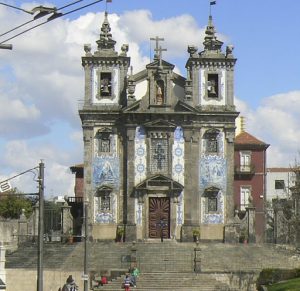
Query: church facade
x=162 y=163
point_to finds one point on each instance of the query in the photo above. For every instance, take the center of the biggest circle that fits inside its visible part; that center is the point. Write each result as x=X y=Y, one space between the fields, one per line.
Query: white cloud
x=21 y=156
x=276 y=122
x=45 y=80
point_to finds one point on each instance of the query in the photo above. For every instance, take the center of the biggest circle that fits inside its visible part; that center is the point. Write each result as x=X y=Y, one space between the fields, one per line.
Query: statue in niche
x=159 y=92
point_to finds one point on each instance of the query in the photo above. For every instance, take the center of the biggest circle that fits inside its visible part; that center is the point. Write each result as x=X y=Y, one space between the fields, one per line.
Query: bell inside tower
x=105 y=87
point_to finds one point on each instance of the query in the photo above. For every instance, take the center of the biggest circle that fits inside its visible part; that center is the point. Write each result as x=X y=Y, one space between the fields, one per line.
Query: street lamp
x=40 y=11
x=40 y=181
x=6 y=46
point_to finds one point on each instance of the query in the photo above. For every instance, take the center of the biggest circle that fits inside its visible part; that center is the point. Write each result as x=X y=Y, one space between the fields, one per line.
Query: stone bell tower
x=105 y=94
x=209 y=89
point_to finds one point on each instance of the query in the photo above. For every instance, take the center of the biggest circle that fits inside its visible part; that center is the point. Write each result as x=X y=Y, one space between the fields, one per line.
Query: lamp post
x=85 y=267
x=40 y=228
x=40 y=181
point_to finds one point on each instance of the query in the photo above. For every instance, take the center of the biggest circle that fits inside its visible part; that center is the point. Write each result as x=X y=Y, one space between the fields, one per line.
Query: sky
x=41 y=79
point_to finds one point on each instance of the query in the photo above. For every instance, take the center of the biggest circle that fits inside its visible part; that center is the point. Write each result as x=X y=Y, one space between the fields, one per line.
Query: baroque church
x=161 y=164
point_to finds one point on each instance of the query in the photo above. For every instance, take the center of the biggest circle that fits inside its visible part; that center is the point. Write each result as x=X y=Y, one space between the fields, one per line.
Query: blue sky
x=41 y=79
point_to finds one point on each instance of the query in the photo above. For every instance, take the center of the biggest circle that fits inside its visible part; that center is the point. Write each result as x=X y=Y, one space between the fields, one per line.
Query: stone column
x=197 y=258
x=22 y=228
x=2 y=264
x=67 y=219
x=133 y=255
x=251 y=224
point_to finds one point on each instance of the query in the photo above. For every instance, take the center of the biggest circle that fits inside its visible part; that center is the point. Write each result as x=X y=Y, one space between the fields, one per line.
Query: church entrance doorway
x=159 y=217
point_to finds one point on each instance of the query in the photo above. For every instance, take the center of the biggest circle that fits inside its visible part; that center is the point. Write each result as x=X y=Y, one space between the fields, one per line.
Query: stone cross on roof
x=158 y=49
x=159 y=53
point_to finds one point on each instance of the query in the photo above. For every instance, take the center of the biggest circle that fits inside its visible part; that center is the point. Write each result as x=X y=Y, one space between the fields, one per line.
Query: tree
x=12 y=203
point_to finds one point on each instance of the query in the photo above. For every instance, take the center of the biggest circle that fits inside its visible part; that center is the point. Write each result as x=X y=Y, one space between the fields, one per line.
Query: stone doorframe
x=157 y=186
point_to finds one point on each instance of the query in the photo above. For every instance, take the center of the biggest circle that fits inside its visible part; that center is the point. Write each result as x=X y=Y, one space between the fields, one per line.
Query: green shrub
x=271 y=276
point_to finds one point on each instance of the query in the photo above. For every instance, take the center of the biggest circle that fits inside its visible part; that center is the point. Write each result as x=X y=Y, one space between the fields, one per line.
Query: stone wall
x=9 y=232
x=26 y=280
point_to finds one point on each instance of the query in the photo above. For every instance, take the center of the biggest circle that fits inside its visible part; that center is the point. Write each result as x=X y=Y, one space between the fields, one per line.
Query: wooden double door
x=159 y=217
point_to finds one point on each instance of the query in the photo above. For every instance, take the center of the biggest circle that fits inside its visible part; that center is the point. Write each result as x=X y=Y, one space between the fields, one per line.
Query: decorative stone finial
x=229 y=50
x=106 y=42
x=124 y=49
x=211 y=44
x=87 y=49
x=192 y=50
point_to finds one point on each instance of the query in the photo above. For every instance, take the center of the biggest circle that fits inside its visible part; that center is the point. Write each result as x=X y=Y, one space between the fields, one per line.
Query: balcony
x=244 y=170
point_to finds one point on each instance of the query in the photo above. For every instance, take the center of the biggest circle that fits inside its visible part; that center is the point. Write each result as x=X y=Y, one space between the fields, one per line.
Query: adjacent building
x=250 y=178
x=279 y=182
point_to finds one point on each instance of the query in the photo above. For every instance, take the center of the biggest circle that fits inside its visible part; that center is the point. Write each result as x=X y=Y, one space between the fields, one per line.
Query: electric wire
x=58 y=9
x=16 y=8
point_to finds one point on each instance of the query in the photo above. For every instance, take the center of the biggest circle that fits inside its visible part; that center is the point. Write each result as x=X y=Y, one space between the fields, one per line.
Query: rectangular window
x=159 y=155
x=212 y=204
x=245 y=161
x=212 y=85
x=104 y=145
x=279 y=184
x=245 y=193
x=212 y=145
x=105 y=203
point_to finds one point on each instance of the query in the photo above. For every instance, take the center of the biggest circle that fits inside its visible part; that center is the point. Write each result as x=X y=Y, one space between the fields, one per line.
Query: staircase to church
x=172 y=282
x=164 y=266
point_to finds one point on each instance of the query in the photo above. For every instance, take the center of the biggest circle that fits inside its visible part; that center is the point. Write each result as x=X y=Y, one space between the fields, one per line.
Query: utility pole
x=40 y=228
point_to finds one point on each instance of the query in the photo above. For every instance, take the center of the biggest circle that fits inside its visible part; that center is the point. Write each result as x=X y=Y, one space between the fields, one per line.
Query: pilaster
x=129 y=207
x=191 y=198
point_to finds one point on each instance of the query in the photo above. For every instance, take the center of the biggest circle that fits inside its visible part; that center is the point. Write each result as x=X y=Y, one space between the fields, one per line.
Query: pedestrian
x=70 y=285
x=103 y=280
x=134 y=274
x=127 y=283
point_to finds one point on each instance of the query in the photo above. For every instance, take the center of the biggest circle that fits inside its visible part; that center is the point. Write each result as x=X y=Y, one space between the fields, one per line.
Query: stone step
x=170 y=281
x=155 y=256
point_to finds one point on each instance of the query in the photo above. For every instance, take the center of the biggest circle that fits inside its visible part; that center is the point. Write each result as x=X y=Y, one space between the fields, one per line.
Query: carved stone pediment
x=164 y=64
x=184 y=107
x=159 y=182
x=160 y=123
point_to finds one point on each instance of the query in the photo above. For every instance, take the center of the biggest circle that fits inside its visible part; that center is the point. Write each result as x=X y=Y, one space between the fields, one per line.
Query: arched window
x=104 y=198
x=211 y=141
x=104 y=141
x=212 y=201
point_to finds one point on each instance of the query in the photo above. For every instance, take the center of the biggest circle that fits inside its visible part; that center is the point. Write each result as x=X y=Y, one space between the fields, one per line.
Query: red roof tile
x=245 y=138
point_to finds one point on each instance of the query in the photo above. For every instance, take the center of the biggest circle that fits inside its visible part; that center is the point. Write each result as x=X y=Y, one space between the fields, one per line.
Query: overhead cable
x=54 y=16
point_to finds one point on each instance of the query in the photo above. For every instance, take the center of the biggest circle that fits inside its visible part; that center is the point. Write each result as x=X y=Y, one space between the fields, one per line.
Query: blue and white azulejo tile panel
x=213 y=218
x=213 y=172
x=106 y=171
x=178 y=170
